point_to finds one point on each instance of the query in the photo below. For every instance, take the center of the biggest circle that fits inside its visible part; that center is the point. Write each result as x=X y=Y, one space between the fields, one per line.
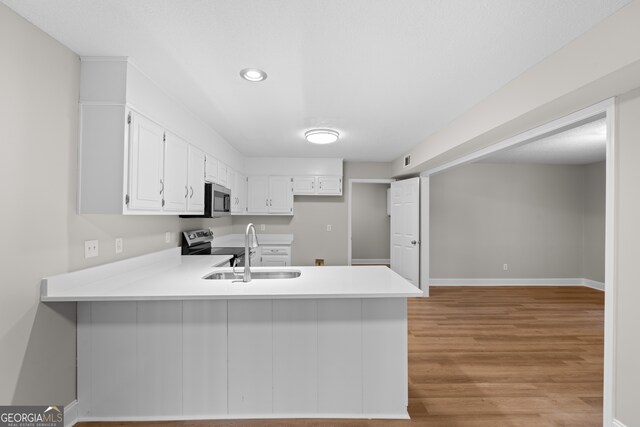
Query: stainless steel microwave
x=217 y=202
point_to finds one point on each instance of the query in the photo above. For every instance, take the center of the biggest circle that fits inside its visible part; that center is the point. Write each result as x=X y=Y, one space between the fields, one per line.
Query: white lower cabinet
x=242 y=358
x=275 y=256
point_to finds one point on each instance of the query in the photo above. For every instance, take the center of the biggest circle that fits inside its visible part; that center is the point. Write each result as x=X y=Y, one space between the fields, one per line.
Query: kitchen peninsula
x=158 y=341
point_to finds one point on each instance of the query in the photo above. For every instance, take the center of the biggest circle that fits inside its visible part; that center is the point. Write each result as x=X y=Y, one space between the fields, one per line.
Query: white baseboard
x=371 y=261
x=593 y=284
x=617 y=423
x=71 y=414
x=364 y=416
x=518 y=282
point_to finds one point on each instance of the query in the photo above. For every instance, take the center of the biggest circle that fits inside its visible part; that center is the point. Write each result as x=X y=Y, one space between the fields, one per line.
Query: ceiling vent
x=407 y=160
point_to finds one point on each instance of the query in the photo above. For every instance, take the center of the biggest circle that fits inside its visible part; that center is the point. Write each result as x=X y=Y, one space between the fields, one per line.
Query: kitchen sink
x=255 y=275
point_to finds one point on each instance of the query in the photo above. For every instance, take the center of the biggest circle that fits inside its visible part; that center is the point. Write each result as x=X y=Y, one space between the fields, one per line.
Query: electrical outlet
x=167 y=237
x=90 y=248
x=328 y=227
x=263 y=227
x=505 y=267
x=119 y=245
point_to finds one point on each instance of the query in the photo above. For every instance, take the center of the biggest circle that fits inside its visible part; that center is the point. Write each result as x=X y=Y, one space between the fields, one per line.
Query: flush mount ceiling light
x=253 y=74
x=321 y=136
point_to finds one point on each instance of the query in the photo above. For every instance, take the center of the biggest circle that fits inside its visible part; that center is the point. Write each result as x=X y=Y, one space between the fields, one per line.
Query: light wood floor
x=491 y=356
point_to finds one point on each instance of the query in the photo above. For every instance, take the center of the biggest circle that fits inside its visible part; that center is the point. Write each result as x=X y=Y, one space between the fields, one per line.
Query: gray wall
x=593 y=245
x=312 y=214
x=371 y=226
x=535 y=218
x=42 y=234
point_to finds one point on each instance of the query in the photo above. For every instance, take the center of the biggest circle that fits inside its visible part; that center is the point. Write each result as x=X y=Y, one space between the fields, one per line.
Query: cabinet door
x=222 y=174
x=274 y=261
x=330 y=185
x=146 y=149
x=241 y=191
x=258 y=190
x=304 y=185
x=233 y=186
x=195 y=200
x=176 y=166
x=211 y=169
x=280 y=194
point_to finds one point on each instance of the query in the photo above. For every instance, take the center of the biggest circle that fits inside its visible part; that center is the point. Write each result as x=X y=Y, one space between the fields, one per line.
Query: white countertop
x=167 y=275
x=237 y=240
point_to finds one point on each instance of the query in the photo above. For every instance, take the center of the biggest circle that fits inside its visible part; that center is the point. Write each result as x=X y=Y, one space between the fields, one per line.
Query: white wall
x=601 y=63
x=312 y=214
x=370 y=224
x=627 y=316
x=42 y=234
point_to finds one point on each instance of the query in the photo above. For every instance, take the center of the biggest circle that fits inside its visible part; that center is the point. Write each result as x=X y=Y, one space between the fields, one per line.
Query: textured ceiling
x=577 y=146
x=385 y=73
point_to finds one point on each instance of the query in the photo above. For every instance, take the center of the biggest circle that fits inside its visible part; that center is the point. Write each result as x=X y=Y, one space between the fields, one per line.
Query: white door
x=258 y=199
x=146 y=158
x=195 y=201
x=176 y=166
x=280 y=194
x=405 y=229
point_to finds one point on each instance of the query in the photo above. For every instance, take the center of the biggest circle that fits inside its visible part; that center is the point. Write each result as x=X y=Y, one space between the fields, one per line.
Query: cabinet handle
x=191 y=196
x=161 y=186
x=266 y=202
x=270 y=202
x=186 y=191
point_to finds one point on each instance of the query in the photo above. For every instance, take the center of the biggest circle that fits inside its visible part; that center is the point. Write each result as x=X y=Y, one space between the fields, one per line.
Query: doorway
x=605 y=111
x=368 y=222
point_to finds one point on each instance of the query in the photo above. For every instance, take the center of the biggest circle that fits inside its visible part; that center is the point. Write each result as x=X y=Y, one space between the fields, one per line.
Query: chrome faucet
x=247 y=251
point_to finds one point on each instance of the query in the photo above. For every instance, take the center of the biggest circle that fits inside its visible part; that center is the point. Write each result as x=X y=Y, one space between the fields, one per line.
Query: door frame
x=604 y=109
x=350 y=209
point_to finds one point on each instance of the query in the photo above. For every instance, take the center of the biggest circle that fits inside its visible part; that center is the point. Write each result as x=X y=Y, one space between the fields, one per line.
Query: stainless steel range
x=198 y=242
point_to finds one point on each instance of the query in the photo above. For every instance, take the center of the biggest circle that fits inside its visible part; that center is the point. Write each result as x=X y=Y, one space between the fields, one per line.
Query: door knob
x=413 y=242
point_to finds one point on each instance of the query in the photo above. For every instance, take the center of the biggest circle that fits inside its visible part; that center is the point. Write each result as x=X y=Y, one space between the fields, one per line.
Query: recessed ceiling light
x=253 y=74
x=321 y=136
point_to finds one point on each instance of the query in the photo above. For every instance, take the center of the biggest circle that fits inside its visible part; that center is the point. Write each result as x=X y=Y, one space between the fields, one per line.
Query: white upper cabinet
x=176 y=170
x=304 y=185
x=258 y=194
x=317 y=185
x=270 y=195
x=222 y=174
x=211 y=170
x=329 y=185
x=125 y=164
x=242 y=192
x=146 y=156
x=238 y=187
x=195 y=199
x=281 y=194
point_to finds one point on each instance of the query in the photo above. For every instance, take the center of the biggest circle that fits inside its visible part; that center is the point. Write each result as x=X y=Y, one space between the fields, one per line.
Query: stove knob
x=192 y=236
